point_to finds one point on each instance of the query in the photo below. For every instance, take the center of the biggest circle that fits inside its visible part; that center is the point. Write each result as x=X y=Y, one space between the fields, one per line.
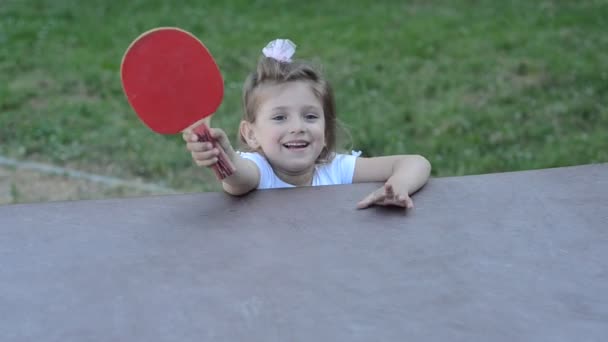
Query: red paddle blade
x=171 y=80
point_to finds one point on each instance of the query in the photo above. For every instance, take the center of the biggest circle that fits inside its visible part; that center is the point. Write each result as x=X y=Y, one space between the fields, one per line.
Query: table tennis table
x=496 y=257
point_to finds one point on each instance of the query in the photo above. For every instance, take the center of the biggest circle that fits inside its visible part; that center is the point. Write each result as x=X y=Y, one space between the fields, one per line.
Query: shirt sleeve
x=263 y=166
x=343 y=167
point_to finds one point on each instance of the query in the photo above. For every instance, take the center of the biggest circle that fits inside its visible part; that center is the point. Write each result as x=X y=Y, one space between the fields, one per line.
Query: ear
x=248 y=133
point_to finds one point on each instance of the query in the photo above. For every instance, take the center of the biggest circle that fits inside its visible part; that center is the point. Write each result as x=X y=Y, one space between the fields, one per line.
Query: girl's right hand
x=203 y=153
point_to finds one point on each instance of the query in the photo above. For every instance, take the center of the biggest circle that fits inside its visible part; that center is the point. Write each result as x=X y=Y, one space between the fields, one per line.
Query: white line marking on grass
x=71 y=173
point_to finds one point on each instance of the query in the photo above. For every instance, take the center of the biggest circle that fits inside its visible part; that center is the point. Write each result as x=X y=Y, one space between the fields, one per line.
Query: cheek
x=321 y=132
x=276 y=134
x=272 y=136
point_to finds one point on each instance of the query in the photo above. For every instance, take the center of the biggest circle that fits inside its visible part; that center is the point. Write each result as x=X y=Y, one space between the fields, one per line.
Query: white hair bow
x=280 y=49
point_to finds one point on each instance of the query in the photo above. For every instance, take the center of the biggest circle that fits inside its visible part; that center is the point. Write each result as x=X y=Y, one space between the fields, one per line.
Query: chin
x=299 y=166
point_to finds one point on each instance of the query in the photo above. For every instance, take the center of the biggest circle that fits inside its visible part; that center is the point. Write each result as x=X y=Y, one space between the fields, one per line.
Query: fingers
x=388 y=190
x=401 y=200
x=375 y=197
x=217 y=133
x=189 y=137
x=206 y=158
x=389 y=193
x=364 y=203
x=205 y=162
x=217 y=136
x=221 y=137
x=203 y=153
x=206 y=152
x=408 y=203
x=199 y=146
x=386 y=196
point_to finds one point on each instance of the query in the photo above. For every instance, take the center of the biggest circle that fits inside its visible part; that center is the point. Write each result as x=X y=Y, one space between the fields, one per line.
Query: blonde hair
x=270 y=72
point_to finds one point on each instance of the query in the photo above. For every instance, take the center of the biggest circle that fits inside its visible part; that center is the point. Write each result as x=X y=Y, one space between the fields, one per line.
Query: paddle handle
x=224 y=167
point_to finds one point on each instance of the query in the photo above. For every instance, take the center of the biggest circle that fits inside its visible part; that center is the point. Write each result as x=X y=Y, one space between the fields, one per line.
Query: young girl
x=289 y=135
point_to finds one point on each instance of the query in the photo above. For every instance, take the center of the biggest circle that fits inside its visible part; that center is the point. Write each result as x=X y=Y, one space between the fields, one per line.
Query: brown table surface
x=499 y=257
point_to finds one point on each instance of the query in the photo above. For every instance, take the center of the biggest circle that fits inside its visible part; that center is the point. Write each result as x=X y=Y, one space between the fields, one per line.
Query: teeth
x=296 y=144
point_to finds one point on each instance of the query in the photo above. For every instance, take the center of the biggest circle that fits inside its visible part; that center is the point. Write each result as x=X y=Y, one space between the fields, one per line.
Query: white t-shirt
x=339 y=171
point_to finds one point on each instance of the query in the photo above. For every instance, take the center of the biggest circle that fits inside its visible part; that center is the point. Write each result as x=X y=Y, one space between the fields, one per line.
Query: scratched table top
x=498 y=257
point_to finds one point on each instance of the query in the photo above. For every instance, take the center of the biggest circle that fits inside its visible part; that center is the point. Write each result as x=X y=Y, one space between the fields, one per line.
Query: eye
x=311 y=116
x=279 y=117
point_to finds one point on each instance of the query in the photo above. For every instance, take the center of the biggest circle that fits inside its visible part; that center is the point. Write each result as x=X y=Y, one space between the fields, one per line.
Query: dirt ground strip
x=26 y=186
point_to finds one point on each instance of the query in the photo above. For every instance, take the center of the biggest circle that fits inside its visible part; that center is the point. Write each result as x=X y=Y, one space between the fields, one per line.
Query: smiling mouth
x=296 y=145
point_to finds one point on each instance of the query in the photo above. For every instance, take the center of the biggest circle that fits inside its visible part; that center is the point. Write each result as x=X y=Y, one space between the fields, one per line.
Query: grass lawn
x=475 y=86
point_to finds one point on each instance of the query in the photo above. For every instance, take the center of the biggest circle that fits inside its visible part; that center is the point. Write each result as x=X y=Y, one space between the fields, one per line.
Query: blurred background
x=476 y=86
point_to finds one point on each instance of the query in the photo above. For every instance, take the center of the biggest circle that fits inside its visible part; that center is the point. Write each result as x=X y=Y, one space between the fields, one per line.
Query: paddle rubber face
x=171 y=80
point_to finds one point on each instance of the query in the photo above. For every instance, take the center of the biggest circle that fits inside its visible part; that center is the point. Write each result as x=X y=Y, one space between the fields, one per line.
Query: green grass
x=475 y=86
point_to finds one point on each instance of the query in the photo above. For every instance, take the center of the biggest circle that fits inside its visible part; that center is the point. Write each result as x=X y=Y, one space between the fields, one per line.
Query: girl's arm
x=246 y=176
x=244 y=179
x=403 y=175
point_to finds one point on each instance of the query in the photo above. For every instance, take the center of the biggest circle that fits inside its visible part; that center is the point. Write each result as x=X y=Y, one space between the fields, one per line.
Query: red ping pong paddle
x=172 y=83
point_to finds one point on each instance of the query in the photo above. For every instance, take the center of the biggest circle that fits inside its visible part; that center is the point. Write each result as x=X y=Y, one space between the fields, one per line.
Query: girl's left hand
x=387 y=195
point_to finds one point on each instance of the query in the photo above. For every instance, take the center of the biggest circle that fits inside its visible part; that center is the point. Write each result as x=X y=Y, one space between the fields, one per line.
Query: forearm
x=243 y=180
x=411 y=172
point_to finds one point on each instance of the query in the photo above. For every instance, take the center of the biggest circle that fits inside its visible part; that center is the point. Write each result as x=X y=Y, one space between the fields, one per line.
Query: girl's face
x=289 y=126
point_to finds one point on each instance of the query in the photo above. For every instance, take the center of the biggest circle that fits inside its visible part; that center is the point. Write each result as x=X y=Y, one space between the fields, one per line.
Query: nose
x=297 y=125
